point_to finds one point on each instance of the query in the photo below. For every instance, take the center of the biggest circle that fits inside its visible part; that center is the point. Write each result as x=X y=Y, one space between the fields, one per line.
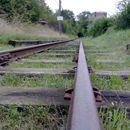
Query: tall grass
x=113 y=42
x=32 y=118
x=17 y=30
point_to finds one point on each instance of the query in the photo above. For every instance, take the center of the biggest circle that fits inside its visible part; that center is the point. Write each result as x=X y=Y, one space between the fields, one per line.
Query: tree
x=84 y=15
x=83 y=22
x=69 y=22
x=68 y=15
x=122 y=20
x=99 y=26
x=123 y=4
x=26 y=10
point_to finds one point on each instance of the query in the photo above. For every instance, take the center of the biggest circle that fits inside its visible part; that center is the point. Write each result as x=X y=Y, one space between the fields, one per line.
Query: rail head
x=83 y=114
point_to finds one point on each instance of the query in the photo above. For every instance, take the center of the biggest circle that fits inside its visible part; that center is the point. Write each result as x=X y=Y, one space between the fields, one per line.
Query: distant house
x=98 y=15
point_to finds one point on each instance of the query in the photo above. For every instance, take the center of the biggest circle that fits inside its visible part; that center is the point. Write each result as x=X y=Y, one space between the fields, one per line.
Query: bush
x=99 y=27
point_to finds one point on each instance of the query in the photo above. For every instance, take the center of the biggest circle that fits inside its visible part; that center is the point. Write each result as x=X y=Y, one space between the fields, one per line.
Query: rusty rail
x=15 y=54
x=83 y=113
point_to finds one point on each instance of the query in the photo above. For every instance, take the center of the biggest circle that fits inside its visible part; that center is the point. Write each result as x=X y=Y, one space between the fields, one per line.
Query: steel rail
x=12 y=55
x=83 y=113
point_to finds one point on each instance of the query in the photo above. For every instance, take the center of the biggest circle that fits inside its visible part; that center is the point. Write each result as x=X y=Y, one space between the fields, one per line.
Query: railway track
x=82 y=99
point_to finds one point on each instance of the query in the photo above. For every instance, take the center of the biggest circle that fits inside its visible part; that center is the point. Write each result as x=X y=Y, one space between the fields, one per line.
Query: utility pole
x=59 y=21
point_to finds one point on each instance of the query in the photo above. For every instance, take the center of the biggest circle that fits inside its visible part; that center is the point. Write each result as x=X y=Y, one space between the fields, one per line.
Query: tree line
x=27 y=10
x=82 y=25
x=88 y=27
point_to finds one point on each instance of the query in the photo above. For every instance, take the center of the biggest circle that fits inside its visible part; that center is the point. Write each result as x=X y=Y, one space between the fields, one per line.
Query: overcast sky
x=77 y=6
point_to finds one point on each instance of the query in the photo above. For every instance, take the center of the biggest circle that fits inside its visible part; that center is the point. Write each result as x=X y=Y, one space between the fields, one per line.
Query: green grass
x=110 y=82
x=111 y=66
x=3 y=47
x=40 y=57
x=4 y=38
x=113 y=43
x=41 y=65
x=32 y=118
x=114 y=119
x=122 y=57
x=49 y=81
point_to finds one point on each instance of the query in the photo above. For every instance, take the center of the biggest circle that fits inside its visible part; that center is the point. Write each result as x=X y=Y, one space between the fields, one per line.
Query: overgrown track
x=83 y=99
x=12 y=55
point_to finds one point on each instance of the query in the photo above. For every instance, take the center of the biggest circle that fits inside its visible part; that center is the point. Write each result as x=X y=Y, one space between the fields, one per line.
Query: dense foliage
x=83 y=22
x=99 y=27
x=122 y=20
x=26 y=10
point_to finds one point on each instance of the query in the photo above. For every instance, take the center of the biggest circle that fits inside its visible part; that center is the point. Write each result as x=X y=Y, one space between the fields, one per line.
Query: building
x=98 y=15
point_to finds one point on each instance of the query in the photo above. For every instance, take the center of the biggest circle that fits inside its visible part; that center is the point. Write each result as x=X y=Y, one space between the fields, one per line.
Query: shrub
x=99 y=27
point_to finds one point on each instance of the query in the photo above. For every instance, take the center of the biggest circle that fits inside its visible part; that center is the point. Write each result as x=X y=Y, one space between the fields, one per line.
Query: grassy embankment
x=18 y=31
x=108 y=52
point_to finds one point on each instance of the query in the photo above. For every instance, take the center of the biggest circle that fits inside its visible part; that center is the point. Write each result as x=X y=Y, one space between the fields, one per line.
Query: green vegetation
x=122 y=19
x=5 y=38
x=99 y=27
x=110 y=83
x=41 y=65
x=32 y=118
x=49 y=81
x=110 y=46
x=113 y=119
x=20 y=31
x=4 y=47
x=113 y=44
x=40 y=57
x=31 y=10
x=69 y=22
x=82 y=23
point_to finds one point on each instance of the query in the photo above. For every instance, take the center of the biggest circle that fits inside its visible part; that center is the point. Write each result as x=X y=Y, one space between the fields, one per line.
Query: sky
x=78 y=6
